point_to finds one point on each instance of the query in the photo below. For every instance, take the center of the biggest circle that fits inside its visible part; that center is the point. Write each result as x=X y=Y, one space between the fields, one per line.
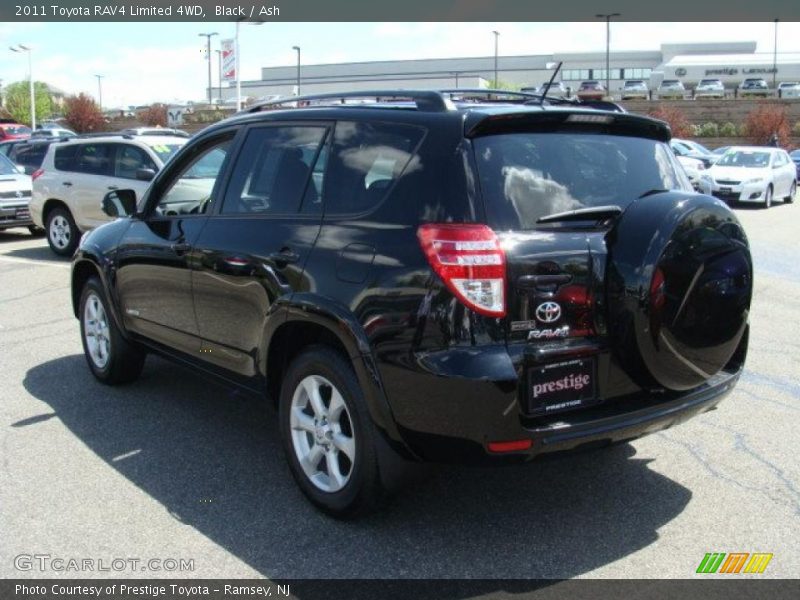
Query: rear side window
x=64 y=157
x=524 y=176
x=367 y=159
x=94 y=159
x=274 y=169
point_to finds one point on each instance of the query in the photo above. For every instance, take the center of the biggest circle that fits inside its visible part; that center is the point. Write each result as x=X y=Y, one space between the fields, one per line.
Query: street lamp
x=608 y=18
x=775 y=58
x=208 y=37
x=297 y=48
x=100 y=90
x=21 y=48
x=496 y=36
x=219 y=77
x=238 y=62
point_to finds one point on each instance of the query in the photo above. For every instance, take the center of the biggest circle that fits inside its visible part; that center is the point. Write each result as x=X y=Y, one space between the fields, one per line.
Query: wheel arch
x=313 y=320
x=52 y=203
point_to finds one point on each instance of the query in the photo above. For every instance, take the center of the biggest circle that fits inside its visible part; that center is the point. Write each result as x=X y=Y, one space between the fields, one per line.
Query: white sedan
x=754 y=174
x=696 y=172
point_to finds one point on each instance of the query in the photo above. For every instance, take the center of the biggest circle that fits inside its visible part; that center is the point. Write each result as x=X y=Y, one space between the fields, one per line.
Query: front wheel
x=34 y=230
x=792 y=191
x=327 y=434
x=112 y=359
x=62 y=233
x=768 y=197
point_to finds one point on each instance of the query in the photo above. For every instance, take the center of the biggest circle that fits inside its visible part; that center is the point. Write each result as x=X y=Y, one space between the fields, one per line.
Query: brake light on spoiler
x=471 y=263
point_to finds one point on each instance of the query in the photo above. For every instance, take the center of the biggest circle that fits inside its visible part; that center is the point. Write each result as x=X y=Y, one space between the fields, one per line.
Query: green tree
x=18 y=101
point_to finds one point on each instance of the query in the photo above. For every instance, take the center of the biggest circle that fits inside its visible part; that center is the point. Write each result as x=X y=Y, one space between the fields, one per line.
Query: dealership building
x=730 y=62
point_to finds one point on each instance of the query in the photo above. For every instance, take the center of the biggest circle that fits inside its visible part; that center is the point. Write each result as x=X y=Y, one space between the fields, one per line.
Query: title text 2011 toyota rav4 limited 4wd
x=421 y=280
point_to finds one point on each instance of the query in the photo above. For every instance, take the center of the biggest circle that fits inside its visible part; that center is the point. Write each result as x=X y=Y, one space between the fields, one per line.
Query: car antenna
x=549 y=83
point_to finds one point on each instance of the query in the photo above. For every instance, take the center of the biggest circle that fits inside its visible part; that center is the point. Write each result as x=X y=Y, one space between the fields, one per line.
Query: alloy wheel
x=96 y=331
x=323 y=437
x=60 y=232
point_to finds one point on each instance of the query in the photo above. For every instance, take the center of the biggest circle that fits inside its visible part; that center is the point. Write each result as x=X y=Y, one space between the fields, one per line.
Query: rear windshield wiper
x=599 y=213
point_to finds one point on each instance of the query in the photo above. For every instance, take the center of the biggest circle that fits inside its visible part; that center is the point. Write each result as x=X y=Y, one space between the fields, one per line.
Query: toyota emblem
x=548 y=312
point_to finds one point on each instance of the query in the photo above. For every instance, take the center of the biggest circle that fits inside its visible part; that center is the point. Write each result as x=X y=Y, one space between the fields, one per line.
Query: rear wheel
x=768 y=197
x=34 y=230
x=62 y=233
x=111 y=358
x=328 y=435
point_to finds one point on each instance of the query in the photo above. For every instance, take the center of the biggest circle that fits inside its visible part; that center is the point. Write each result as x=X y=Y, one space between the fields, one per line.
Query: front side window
x=367 y=159
x=129 y=160
x=524 y=176
x=274 y=170
x=189 y=190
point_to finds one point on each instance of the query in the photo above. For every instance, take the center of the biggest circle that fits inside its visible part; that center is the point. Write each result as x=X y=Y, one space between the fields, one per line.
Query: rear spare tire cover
x=679 y=284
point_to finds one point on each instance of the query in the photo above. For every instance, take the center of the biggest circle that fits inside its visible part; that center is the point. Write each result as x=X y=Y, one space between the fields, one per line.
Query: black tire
x=792 y=191
x=363 y=491
x=124 y=361
x=34 y=230
x=62 y=233
x=768 y=197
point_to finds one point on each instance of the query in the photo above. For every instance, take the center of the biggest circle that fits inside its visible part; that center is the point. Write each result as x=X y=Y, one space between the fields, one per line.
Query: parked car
x=696 y=172
x=557 y=89
x=692 y=150
x=404 y=280
x=754 y=86
x=789 y=89
x=9 y=130
x=53 y=132
x=671 y=88
x=795 y=156
x=15 y=194
x=754 y=174
x=7 y=145
x=75 y=175
x=591 y=90
x=635 y=88
x=709 y=88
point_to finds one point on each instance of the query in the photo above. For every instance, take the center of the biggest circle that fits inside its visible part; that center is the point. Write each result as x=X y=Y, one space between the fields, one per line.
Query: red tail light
x=471 y=263
x=37 y=173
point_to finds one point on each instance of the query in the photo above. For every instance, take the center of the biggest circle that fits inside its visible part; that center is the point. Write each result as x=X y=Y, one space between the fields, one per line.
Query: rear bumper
x=444 y=417
x=17 y=215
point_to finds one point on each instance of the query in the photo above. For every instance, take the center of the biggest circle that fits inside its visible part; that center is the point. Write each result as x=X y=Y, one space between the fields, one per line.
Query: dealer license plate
x=561 y=386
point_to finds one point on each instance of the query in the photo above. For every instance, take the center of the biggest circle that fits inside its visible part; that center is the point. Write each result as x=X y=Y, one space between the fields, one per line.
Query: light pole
x=219 y=75
x=608 y=18
x=100 y=90
x=21 y=48
x=456 y=75
x=496 y=37
x=238 y=62
x=775 y=58
x=208 y=37
x=297 y=48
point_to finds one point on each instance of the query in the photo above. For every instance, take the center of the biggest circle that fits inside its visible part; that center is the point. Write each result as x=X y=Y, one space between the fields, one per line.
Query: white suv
x=69 y=187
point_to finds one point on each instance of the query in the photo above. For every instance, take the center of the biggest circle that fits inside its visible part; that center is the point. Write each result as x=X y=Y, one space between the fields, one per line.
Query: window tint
x=29 y=155
x=367 y=159
x=190 y=189
x=524 y=176
x=273 y=169
x=129 y=160
x=95 y=159
x=64 y=158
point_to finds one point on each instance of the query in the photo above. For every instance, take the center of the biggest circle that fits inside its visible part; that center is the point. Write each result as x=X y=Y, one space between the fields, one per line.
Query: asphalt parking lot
x=174 y=466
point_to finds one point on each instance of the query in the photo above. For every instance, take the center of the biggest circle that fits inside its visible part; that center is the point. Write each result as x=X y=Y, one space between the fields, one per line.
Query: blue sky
x=148 y=62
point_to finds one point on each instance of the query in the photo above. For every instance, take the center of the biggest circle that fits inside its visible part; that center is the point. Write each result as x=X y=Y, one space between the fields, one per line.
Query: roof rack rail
x=486 y=93
x=425 y=100
x=97 y=134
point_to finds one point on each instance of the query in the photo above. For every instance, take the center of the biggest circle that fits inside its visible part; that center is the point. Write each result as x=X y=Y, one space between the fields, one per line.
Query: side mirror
x=145 y=174
x=119 y=203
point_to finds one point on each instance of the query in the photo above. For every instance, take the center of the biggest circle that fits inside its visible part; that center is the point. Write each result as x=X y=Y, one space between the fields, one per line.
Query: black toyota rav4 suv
x=411 y=278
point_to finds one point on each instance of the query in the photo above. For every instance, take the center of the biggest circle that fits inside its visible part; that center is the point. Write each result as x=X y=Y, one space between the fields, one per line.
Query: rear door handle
x=66 y=183
x=113 y=187
x=180 y=247
x=285 y=256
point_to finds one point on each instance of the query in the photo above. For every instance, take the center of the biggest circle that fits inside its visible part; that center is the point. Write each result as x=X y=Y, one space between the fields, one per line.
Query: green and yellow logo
x=735 y=562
